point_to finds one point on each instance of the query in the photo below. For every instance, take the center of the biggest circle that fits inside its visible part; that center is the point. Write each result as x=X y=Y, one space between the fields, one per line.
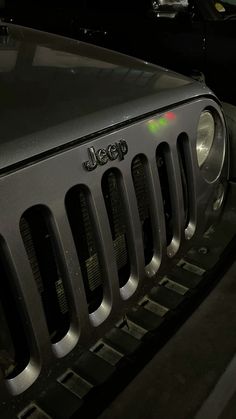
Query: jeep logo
x=101 y=156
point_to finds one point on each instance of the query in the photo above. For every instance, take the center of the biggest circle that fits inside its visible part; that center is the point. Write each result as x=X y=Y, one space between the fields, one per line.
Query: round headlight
x=205 y=136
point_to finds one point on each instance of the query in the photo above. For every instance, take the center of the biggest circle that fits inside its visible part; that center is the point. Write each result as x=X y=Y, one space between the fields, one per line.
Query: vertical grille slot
x=38 y=241
x=14 y=351
x=142 y=195
x=116 y=215
x=80 y=219
x=186 y=174
x=163 y=161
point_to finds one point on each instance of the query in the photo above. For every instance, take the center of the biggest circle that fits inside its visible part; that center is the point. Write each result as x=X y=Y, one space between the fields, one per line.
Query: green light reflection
x=154 y=125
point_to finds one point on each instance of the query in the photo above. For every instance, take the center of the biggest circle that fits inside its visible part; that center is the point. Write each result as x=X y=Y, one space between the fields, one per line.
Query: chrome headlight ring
x=210 y=144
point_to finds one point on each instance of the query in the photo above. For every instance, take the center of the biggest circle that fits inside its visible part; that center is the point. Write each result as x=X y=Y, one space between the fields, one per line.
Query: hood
x=55 y=90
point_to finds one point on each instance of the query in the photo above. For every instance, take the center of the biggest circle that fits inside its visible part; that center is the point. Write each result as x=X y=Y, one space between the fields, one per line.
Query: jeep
x=95 y=262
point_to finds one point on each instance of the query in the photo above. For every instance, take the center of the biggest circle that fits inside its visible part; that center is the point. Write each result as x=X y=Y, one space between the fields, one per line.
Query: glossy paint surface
x=56 y=90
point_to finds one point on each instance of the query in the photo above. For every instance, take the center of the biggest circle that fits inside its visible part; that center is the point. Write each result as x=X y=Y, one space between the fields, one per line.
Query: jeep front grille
x=81 y=247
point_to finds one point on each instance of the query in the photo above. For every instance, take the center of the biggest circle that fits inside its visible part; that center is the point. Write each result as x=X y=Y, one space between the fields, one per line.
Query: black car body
x=197 y=37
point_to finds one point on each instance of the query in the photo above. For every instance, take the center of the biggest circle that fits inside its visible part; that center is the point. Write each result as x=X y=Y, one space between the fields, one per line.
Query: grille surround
x=52 y=178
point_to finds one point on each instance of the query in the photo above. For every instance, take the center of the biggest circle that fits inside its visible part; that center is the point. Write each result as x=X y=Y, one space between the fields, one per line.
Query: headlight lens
x=205 y=136
x=210 y=144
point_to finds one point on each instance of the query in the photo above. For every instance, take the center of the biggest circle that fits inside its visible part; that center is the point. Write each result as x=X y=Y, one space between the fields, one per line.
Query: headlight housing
x=210 y=144
x=205 y=136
